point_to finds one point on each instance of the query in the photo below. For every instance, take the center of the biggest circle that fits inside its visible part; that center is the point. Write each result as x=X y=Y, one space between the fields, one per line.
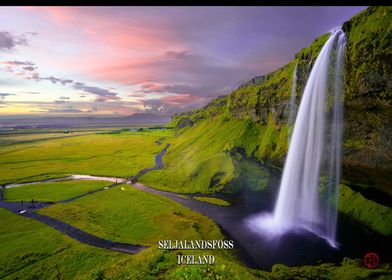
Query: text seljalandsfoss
x=195 y=245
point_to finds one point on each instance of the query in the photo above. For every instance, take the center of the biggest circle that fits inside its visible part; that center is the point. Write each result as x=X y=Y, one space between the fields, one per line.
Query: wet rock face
x=369 y=55
x=368 y=94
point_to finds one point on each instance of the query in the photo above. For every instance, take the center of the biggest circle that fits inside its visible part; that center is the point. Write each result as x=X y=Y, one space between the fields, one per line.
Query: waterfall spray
x=304 y=201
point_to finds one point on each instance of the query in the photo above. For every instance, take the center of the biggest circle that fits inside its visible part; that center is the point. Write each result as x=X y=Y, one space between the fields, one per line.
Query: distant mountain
x=64 y=122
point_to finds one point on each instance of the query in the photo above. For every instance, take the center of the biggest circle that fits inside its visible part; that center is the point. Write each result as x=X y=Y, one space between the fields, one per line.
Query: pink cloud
x=178 y=99
x=114 y=46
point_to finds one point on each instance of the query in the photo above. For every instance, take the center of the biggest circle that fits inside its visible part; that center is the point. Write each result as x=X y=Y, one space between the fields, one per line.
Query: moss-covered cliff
x=368 y=96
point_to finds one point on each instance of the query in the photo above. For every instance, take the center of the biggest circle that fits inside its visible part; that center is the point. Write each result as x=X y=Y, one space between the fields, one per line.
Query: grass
x=125 y=214
x=376 y=216
x=212 y=200
x=11 y=139
x=54 y=191
x=126 y=152
x=201 y=160
x=347 y=270
x=32 y=250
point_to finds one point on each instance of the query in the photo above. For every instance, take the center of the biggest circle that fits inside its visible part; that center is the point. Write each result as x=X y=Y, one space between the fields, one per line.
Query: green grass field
x=121 y=155
x=54 y=191
x=32 y=250
x=125 y=214
x=199 y=160
x=18 y=136
x=12 y=139
x=212 y=200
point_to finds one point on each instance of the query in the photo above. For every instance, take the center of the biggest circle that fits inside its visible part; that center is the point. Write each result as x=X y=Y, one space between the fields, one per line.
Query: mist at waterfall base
x=308 y=192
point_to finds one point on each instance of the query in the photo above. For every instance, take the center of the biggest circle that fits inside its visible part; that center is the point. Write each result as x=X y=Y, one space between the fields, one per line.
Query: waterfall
x=308 y=193
x=335 y=140
x=293 y=106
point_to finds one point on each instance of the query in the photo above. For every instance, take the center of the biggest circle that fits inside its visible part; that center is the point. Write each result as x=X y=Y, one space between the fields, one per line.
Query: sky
x=126 y=60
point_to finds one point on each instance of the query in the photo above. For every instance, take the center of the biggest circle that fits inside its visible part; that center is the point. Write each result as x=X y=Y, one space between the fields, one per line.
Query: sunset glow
x=116 y=60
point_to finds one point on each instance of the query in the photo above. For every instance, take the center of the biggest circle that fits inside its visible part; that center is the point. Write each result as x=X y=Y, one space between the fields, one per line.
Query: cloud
x=57 y=80
x=4 y=95
x=17 y=63
x=179 y=55
x=22 y=69
x=180 y=99
x=136 y=95
x=177 y=72
x=93 y=109
x=173 y=104
x=61 y=110
x=102 y=93
x=155 y=106
x=60 y=101
x=30 y=92
x=29 y=68
x=9 y=41
x=176 y=88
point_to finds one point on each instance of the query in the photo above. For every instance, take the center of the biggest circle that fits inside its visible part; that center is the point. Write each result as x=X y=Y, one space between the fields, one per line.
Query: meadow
x=111 y=153
x=46 y=253
x=125 y=214
x=54 y=191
